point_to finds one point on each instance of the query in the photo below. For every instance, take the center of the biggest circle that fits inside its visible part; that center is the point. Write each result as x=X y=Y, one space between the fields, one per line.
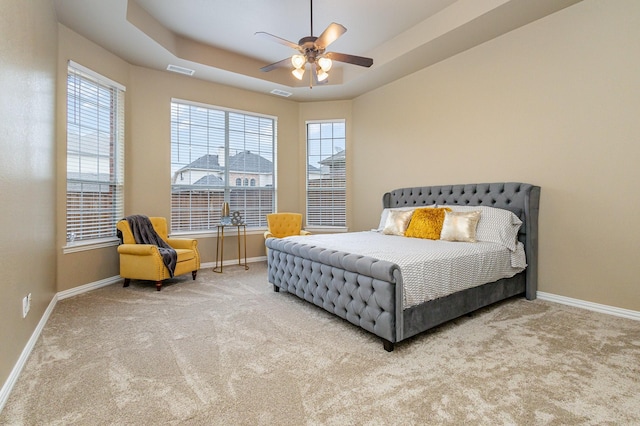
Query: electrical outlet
x=26 y=305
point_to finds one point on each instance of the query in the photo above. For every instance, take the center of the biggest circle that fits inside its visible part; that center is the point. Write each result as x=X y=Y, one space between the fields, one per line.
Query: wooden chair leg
x=158 y=285
x=194 y=273
x=126 y=282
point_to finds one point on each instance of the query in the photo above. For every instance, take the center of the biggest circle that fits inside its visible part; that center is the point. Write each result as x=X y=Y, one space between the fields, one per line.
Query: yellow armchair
x=144 y=261
x=282 y=225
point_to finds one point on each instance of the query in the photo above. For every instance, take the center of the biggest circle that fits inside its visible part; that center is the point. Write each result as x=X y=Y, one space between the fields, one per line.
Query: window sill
x=213 y=233
x=89 y=245
x=327 y=229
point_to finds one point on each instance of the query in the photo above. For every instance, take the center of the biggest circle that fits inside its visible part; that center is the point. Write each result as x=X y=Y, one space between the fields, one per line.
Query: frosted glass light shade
x=298 y=61
x=298 y=73
x=322 y=76
x=325 y=64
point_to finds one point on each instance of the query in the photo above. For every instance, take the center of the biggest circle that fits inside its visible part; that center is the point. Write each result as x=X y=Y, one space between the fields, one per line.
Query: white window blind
x=220 y=155
x=95 y=155
x=326 y=174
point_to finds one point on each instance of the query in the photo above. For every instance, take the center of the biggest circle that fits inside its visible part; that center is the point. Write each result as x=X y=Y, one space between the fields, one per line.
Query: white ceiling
x=216 y=38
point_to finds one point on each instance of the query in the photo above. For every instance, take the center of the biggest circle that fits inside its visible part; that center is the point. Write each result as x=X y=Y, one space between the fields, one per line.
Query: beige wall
x=554 y=103
x=28 y=37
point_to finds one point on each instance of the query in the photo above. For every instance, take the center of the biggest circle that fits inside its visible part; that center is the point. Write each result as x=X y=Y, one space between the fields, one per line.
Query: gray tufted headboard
x=523 y=199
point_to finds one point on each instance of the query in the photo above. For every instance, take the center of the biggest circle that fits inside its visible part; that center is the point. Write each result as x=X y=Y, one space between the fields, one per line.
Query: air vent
x=283 y=93
x=180 y=70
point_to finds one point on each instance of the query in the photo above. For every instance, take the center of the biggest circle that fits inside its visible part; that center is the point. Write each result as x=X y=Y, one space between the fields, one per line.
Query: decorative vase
x=225 y=209
x=225 y=219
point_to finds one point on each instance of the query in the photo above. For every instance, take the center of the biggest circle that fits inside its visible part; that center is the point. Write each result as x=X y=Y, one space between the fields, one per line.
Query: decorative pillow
x=385 y=214
x=426 y=223
x=460 y=226
x=496 y=225
x=397 y=222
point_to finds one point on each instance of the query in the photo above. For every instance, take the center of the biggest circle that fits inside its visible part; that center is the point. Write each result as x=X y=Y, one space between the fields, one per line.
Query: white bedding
x=430 y=268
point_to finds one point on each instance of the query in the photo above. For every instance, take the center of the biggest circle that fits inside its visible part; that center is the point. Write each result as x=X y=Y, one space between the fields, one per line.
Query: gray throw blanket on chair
x=144 y=233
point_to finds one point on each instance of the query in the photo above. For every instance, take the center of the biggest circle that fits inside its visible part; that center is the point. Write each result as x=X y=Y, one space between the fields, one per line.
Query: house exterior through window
x=215 y=153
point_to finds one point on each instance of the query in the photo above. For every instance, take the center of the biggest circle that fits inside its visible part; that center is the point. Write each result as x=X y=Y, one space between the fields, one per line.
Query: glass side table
x=242 y=240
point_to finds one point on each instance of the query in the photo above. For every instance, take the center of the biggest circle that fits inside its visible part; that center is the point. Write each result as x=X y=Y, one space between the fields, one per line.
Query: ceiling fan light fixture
x=298 y=61
x=325 y=64
x=311 y=50
x=298 y=73
x=322 y=75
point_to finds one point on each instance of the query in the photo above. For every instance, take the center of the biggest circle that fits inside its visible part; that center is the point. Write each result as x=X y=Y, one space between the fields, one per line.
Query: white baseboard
x=597 y=307
x=234 y=262
x=24 y=356
x=65 y=294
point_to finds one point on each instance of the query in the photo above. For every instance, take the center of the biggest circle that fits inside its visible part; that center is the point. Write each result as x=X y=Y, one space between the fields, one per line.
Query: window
x=95 y=155
x=217 y=150
x=326 y=174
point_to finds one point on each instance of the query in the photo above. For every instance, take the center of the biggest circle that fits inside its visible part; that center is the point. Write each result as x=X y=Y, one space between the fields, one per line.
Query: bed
x=368 y=291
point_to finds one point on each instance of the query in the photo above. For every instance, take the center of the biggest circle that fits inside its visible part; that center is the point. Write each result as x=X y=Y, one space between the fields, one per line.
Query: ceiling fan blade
x=277 y=39
x=350 y=59
x=283 y=63
x=330 y=35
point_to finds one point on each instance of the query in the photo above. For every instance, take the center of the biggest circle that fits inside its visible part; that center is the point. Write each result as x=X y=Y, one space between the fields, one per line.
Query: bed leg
x=388 y=346
x=276 y=288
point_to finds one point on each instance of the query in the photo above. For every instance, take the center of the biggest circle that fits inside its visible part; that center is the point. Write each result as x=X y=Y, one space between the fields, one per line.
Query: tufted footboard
x=360 y=289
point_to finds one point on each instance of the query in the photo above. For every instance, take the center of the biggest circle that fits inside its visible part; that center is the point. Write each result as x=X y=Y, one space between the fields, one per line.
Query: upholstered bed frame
x=368 y=292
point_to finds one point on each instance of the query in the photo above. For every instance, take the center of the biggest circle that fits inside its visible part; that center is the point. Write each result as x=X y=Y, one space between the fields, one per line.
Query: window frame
x=116 y=137
x=311 y=224
x=229 y=180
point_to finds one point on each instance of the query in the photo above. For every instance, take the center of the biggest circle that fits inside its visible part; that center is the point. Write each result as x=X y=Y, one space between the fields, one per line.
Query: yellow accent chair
x=282 y=225
x=144 y=261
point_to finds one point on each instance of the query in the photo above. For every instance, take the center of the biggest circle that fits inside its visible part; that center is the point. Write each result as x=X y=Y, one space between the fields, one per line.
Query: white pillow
x=385 y=214
x=397 y=222
x=496 y=225
x=460 y=226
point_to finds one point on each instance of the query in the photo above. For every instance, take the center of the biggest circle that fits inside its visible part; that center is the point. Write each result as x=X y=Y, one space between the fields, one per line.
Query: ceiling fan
x=312 y=50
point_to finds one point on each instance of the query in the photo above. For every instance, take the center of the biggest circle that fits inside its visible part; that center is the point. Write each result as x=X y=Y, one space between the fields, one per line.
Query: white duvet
x=430 y=268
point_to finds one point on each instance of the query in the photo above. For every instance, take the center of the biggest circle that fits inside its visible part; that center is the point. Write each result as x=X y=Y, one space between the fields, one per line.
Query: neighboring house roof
x=210 y=180
x=74 y=185
x=313 y=169
x=246 y=161
x=335 y=158
x=101 y=177
x=206 y=162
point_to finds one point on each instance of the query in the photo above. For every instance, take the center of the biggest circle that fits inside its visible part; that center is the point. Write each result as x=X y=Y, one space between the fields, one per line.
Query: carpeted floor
x=227 y=350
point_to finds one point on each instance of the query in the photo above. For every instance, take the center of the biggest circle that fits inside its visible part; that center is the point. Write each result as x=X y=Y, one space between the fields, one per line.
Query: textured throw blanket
x=144 y=233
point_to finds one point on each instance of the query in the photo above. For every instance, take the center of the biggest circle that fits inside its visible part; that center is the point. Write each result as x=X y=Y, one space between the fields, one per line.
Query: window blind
x=326 y=174
x=220 y=155
x=95 y=155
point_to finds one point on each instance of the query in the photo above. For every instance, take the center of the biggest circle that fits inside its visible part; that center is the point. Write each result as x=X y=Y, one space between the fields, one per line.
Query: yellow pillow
x=426 y=223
